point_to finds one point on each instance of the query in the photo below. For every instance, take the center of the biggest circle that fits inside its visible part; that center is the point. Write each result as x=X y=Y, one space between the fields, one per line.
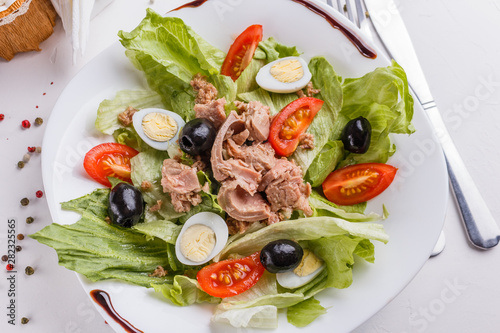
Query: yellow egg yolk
x=287 y=71
x=159 y=126
x=197 y=242
x=310 y=263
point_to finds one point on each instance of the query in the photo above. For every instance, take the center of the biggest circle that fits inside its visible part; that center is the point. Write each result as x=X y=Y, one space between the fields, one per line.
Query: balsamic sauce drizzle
x=102 y=298
x=362 y=47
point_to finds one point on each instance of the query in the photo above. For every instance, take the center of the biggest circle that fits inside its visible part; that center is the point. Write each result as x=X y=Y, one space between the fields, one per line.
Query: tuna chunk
x=257 y=119
x=219 y=165
x=241 y=205
x=213 y=111
x=181 y=181
x=260 y=156
x=285 y=188
x=206 y=92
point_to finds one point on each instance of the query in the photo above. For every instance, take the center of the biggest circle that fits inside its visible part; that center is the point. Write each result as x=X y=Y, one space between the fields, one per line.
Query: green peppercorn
x=30 y=220
x=25 y=201
x=24 y=320
x=29 y=270
x=38 y=121
x=20 y=164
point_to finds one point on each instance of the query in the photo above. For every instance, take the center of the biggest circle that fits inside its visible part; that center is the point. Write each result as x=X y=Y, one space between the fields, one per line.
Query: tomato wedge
x=241 y=52
x=291 y=122
x=109 y=160
x=358 y=183
x=230 y=277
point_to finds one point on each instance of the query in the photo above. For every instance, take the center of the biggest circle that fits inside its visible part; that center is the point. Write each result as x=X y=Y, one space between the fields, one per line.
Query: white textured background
x=458 y=291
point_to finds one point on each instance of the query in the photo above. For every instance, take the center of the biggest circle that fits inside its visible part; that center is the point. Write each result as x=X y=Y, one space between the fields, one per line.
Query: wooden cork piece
x=28 y=30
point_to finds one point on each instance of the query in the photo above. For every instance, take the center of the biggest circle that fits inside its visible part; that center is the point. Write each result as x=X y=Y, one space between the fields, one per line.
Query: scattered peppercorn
x=2 y=116
x=20 y=236
x=20 y=164
x=5 y=257
x=18 y=248
x=24 y=320
x=29 y=270
x=26 y=158
x=38 y=149
x=31 y=149
x=30 y=220
x=10 y=267
x=26 y=124
x=25 y=201
x=38 y=121
x=39 y=194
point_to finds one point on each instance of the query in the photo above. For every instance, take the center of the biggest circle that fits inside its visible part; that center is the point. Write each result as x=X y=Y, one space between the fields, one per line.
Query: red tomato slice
x=109 y=160
x=230 y=277
x=358 y=183
x=291 y=122
x=241 y=52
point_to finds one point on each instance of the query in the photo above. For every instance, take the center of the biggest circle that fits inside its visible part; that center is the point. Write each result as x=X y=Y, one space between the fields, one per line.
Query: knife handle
x=482 y=230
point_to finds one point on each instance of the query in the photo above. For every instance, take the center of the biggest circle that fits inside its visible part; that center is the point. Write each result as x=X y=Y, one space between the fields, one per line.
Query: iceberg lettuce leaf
x=305 y=312
x=184 y=291
x=96 y=249
x=109 y=109
x=170 y=53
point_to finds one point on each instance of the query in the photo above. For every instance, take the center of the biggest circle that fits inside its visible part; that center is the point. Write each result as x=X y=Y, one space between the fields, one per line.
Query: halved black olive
x=125 y=205
x=281 y=255
x=356 y=135
x=197 y=136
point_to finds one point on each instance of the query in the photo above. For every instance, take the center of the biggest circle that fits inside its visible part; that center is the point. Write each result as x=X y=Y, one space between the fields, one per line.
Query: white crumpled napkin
x=76 y=16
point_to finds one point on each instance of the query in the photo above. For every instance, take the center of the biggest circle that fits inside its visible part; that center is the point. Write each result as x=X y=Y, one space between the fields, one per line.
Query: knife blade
x=482 y=230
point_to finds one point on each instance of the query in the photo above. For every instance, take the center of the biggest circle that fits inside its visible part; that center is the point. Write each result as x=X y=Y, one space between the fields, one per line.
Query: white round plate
x=416 y=200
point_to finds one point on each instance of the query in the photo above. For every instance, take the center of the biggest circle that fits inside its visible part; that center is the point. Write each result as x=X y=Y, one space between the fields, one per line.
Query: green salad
x=170 y=54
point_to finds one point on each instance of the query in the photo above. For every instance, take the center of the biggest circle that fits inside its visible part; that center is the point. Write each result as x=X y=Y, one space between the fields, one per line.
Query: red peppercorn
x=39 y=194
x=10 y=267
x=26 y=124
x=2 y=116
x=31 y=149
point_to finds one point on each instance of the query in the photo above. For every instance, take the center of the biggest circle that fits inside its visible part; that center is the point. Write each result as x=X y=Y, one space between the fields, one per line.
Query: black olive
x=356 y=135
x=197 y=136
x=125 y=205
x=281 y=255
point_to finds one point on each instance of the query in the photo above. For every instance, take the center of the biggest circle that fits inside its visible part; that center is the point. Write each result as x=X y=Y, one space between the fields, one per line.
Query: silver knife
x=482 y=230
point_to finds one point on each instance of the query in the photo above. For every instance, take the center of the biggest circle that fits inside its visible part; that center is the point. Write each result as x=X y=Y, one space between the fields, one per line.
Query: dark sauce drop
x=102 y=298
x=196 y=3
x=363 y=48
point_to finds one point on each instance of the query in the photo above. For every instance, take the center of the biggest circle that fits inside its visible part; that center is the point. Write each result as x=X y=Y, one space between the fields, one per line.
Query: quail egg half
x=157 y=127
x=201 y=238
x=284 y=75
x=308 y=269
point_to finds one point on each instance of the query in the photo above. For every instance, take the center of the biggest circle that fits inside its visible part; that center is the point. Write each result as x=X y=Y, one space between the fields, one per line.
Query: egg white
x=290 y=280
x=214 y=222
x=137 y=122
x=266 y=81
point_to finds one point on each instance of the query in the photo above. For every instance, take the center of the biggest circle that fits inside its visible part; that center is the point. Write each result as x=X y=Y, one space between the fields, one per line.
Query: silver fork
x=357 y=15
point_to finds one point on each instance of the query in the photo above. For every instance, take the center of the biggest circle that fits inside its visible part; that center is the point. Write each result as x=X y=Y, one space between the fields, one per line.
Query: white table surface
x=458 y=291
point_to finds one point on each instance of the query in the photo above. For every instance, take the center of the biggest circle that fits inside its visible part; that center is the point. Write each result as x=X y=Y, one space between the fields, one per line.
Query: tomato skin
x=249 y=269
x=241 y=52
x=286 y=146
x=358 y=183
x=109 y=159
